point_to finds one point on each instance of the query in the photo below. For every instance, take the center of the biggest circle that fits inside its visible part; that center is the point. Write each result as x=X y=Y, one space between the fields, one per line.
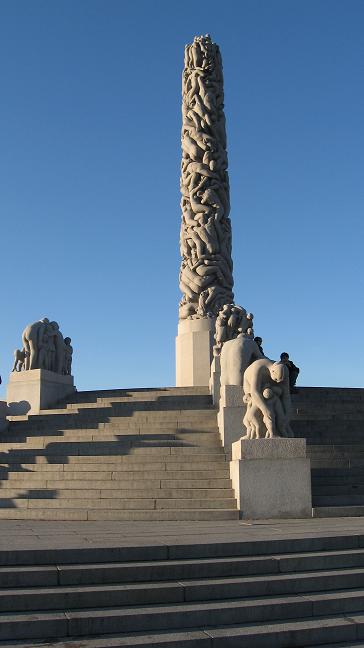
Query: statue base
x=230 y=415
x=271 y=478
x=194 y=344
x=28 y=392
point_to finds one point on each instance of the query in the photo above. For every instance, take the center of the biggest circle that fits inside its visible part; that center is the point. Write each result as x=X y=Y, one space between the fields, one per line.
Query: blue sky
x=89 y=178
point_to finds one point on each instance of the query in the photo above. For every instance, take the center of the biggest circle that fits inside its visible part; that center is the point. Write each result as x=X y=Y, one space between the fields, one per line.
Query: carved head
x=55 y=325
x=67 y=340
x=278 y=372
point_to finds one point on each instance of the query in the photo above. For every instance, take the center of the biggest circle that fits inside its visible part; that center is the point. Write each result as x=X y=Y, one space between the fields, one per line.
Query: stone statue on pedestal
x=44 y=348
x=268 y=401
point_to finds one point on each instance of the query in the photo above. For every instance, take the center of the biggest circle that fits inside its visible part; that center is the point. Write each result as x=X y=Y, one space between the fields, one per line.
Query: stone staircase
x=332 y=421
x=118 y=455
x=279 y=593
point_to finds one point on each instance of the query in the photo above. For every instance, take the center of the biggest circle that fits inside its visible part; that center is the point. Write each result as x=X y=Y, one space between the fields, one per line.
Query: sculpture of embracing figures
x=44 y=348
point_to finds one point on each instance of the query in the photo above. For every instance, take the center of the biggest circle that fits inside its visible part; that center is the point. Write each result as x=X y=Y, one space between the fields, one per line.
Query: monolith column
x=206 y=279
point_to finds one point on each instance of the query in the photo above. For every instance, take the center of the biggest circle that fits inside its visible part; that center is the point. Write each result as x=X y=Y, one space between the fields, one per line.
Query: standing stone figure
x=205 y=241
x=32 y=342
x=68 y=351
x=19 y=359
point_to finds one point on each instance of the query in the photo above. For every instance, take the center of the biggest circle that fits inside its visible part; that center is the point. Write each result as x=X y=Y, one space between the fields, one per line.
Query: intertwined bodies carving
x=206 y=270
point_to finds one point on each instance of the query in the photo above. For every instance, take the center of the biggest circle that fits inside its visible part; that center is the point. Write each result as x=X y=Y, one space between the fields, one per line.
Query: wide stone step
x=117 y=483
x=137 y=471
x=130 y=435
x=277 y=634
x=162 y=570
x=127 y=412
x=123 y=572
x=112 y=447
x=337 y=394
x=331 y=490
x=129 y=504
x=93 y=395
x=149 y=515
x=123 y=441
x=296 y=547
x=106 y=493
x=75 y=597
x=338 y=500
x=337 y=511
x=179 y=615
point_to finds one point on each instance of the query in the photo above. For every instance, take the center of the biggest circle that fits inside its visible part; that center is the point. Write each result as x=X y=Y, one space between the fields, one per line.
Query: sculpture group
x=265 y=383
x=44 y=347
x=206 y=270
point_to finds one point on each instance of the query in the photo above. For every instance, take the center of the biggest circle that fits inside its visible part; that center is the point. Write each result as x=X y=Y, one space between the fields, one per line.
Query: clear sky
x=89 y=178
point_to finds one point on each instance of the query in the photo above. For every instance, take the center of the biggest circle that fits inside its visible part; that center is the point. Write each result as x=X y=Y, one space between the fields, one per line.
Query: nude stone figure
x=266 y=383
x=236 y=356
x=32 y=339
x=19 y=359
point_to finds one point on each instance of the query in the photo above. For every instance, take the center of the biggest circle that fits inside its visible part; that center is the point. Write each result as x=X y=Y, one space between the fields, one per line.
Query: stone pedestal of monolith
x=230 y=415
x=28 y=392
x=215 y=376
x=194 y=344
x=271 y=478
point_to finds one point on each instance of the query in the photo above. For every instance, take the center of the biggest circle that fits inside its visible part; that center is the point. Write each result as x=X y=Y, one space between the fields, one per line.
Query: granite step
x=93 y=492
x=95 y=621
x=184 y=591
x=160 y=515
x=289 y=634
x=113 y=503
x=165 y=570
x=336 y=510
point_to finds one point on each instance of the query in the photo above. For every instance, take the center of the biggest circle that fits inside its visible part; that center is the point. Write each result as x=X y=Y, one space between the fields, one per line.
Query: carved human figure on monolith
x=230 y=322
x=206 y=270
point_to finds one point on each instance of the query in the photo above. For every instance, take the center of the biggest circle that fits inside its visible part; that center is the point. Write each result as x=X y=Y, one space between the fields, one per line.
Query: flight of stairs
x=279 y=593
x=118 y=455
x=332 y=421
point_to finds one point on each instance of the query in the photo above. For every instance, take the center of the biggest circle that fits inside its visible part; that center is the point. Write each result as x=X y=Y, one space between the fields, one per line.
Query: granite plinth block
x=194 y=344
x=271 y=478
x=28 y=392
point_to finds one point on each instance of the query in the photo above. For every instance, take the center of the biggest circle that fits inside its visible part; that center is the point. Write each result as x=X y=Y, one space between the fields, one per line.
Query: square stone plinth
x=36 y=389
x=271 y=478
x=194 y=344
